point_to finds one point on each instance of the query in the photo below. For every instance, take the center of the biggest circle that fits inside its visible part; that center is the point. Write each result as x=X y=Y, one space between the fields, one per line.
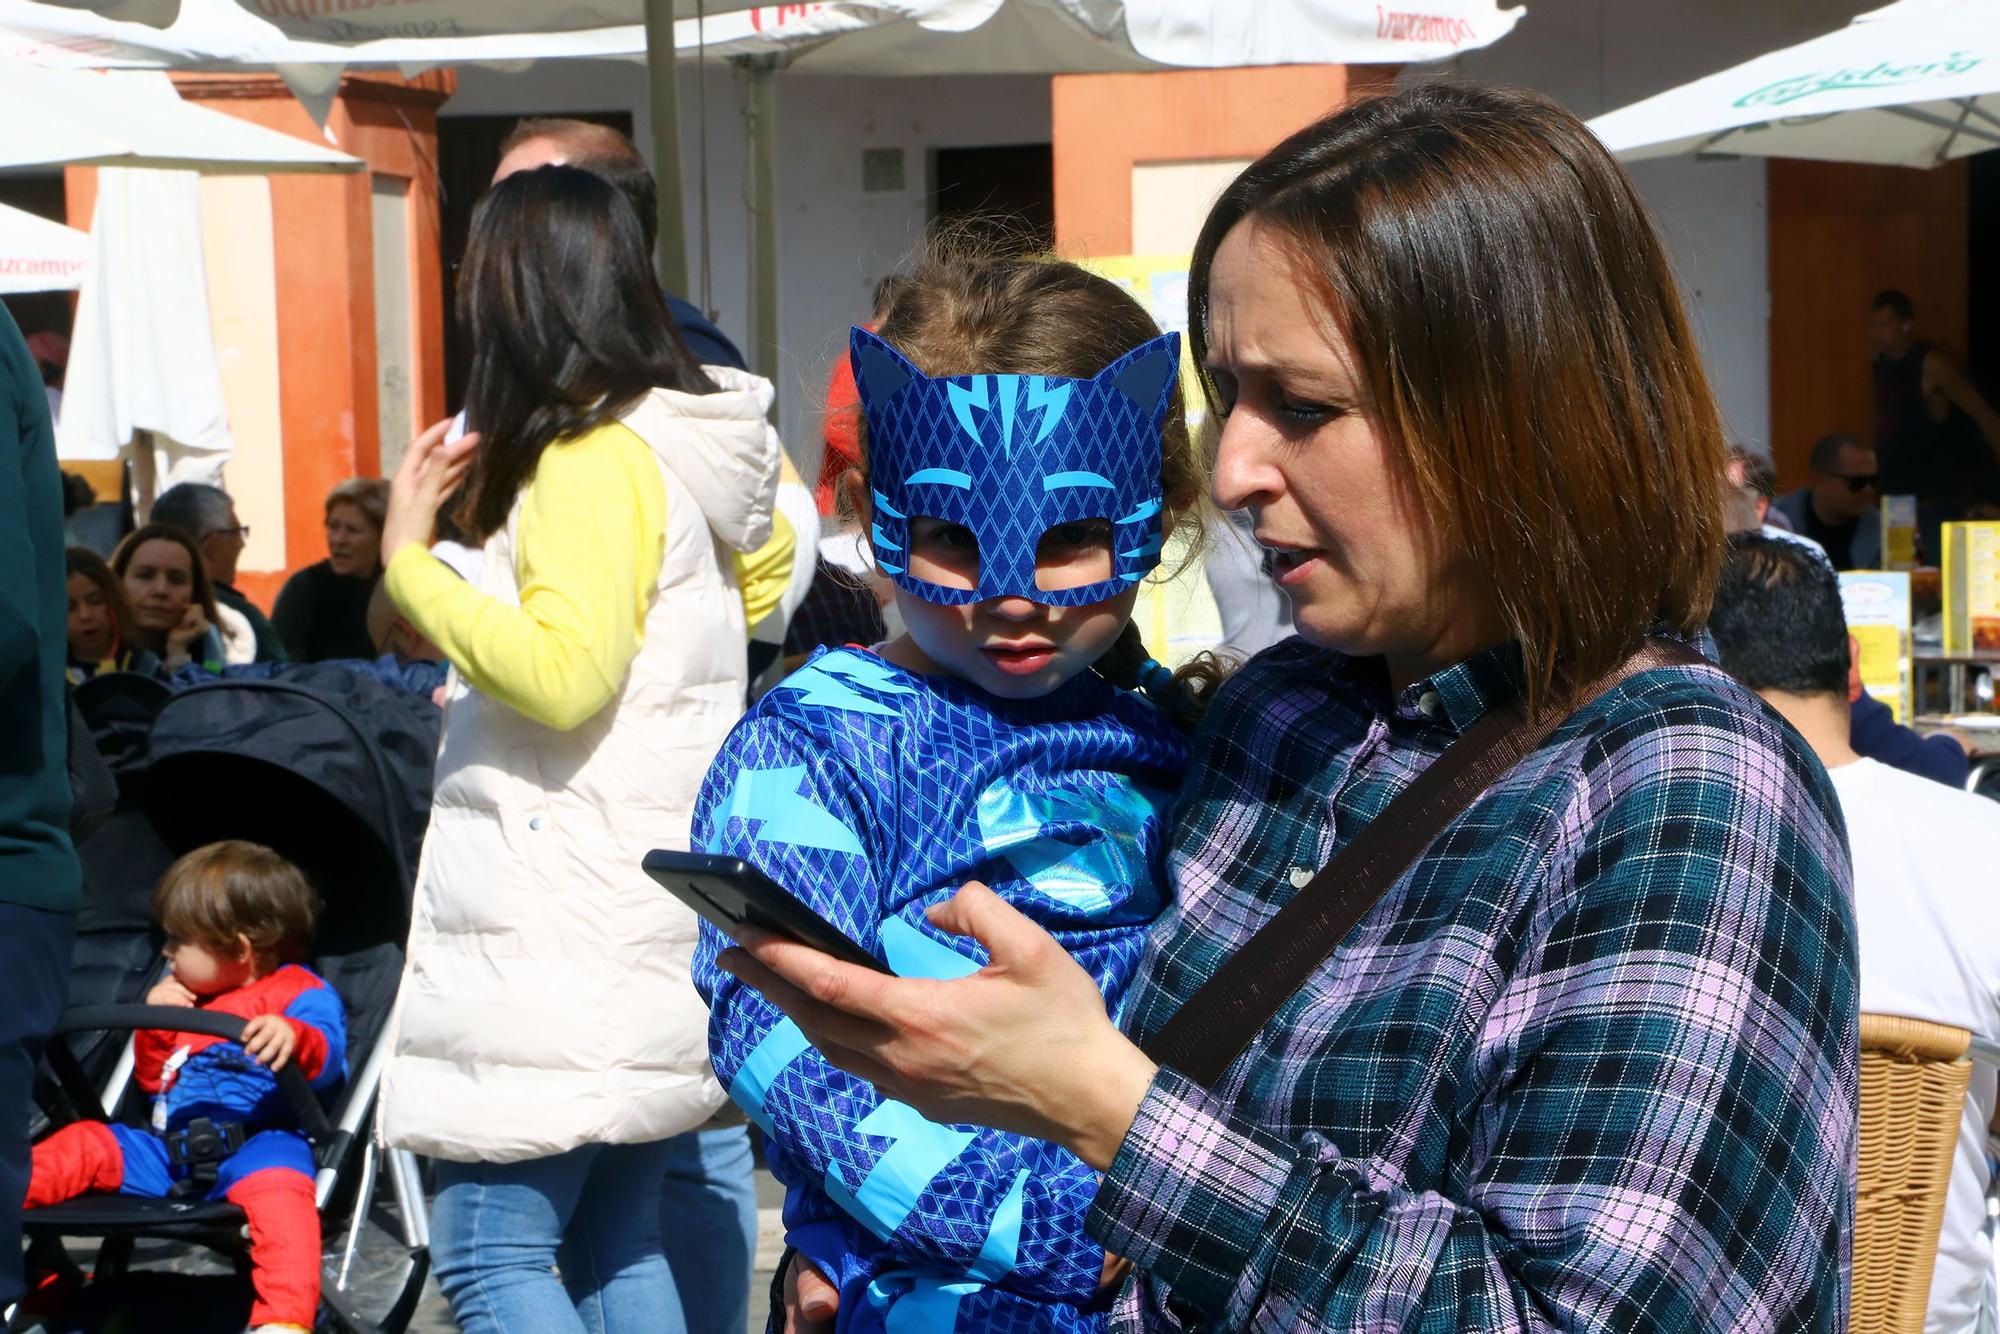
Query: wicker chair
x=1914 y=1078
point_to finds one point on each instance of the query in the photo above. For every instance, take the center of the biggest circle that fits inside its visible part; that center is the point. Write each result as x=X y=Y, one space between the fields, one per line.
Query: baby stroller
x=333 y=769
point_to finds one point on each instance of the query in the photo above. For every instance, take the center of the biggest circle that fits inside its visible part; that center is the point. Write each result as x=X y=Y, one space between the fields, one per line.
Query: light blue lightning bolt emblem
x=829 y=684
x=963 y=399
x=919 y=1150
x=916 y=1301
x=1081 y=870
x=864 y=669
x=771 y=799
x=1052 y=398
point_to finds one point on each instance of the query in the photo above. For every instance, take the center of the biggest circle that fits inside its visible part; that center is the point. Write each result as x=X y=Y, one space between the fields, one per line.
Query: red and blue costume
x=270 y=1177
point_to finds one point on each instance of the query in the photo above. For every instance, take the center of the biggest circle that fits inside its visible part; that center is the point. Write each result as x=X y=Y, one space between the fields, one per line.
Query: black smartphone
x=728 y=891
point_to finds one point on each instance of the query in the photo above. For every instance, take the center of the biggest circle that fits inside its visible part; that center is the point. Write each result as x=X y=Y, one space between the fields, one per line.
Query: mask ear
x=1146 y=373
x=880 y=371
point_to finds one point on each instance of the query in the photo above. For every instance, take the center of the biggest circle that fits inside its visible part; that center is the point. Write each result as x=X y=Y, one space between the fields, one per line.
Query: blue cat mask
x=1012 y=456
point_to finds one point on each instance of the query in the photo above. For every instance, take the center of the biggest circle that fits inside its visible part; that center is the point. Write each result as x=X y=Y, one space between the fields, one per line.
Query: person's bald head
x=543 y=141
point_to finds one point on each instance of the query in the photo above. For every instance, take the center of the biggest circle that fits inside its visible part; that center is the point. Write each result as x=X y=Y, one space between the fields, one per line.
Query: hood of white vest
x=721 y=447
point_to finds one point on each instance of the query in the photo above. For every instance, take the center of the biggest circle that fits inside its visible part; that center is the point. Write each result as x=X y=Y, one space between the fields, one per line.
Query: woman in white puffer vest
x=550 y=1049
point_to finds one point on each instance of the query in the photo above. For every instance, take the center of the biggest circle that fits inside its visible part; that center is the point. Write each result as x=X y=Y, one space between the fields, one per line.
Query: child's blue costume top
x=871 y=793
x=192 y=1076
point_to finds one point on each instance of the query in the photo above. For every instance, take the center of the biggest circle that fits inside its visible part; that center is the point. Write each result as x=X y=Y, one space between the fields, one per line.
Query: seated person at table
x=1923 y=864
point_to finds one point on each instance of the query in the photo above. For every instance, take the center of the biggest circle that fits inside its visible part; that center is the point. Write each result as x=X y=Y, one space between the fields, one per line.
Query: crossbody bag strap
x=1204 y=1037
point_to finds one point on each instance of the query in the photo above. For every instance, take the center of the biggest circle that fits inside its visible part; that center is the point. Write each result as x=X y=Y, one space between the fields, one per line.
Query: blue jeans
x=571 y=1244
x=708 y=1226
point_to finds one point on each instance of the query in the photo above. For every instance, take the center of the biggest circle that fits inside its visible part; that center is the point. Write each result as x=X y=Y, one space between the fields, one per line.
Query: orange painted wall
x=325 y=279
x=1105 y=124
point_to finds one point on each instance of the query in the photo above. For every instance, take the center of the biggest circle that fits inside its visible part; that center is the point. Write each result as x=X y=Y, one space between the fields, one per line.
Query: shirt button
x=1301 y=876
x=536 y=824
x=1429 y=705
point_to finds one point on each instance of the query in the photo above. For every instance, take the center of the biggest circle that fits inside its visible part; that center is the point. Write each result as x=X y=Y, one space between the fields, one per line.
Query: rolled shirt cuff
x=1191 y=1193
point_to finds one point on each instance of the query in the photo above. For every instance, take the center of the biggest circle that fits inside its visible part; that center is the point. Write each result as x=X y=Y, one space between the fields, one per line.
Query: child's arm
x=318 y=1021
x=971 y=1201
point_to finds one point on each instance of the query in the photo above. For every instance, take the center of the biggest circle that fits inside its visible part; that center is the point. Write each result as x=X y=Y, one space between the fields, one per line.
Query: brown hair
x=1522 y=339
x=204 y=588
x=1038 y=316
x=567 y=325
x=84 y=561
x=605 y=153
x=370 y=495
x=224 y=889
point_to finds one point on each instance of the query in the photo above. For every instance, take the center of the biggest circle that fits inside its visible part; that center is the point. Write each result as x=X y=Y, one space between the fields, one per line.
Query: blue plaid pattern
x=1589 y=1065
x=872 y=793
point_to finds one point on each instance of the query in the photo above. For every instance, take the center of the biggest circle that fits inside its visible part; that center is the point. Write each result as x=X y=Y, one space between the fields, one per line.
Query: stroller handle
x=292 y=1082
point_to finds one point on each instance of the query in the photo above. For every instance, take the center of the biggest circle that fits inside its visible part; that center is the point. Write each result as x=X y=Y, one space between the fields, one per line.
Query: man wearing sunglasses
x=1841 y=509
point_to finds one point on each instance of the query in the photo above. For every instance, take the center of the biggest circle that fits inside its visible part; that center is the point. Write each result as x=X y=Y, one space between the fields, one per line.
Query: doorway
x=998 y=200
x=468 y=151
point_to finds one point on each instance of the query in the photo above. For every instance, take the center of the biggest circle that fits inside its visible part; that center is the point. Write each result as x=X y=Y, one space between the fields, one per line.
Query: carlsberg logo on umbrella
x=1880 y=75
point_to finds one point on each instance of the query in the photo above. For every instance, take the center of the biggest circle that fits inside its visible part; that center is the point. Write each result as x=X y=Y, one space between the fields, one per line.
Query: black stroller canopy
x=325 y=764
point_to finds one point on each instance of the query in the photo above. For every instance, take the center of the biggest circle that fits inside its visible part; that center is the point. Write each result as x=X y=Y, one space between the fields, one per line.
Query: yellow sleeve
x=763 y=575
x=587 y=557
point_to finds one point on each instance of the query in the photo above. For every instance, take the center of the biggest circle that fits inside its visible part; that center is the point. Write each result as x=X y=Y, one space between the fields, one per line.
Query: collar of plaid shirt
x=1589 y=1065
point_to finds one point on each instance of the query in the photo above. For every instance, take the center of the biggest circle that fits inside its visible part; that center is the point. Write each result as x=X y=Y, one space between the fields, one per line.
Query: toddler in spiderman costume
x=236 y=915
x=1024 y=454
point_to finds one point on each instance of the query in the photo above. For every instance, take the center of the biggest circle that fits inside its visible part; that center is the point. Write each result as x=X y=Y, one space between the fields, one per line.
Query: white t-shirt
x=1926 y=885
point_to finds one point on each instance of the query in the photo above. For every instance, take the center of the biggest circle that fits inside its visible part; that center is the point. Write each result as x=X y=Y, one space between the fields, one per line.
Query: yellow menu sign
x=1877 y=603
x=1972 y=588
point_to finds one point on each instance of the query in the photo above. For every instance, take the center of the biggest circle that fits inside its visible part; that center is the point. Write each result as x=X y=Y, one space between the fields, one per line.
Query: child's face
x=207 y=970
x=1010 y=646
x=91 y=630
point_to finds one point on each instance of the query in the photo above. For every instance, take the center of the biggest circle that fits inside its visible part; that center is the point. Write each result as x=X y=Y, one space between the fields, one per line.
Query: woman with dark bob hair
x=1589 y=1062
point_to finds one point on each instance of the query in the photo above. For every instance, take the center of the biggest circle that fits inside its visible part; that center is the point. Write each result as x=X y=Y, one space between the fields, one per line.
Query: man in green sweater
x=39 y=879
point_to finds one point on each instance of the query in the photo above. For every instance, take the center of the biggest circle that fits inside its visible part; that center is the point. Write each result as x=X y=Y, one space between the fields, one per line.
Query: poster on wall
x=1877 y=603
x=1176 y=613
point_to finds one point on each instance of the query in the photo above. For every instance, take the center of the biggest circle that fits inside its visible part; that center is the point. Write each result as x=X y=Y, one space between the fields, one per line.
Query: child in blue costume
x=1014 y=501
x=235 y=914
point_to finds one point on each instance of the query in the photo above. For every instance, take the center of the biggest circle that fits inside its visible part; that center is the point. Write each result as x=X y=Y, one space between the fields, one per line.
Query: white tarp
x=134 y=118
x=37 y=255
x=991 y=36
x=142 y=353
x=1912 y=85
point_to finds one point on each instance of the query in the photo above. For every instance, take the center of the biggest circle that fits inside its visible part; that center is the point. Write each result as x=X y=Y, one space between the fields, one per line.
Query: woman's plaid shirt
x=1590 y=1065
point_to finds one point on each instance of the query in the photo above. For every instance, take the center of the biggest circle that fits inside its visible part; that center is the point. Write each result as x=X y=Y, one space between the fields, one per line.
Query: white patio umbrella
x=1912 y=85
x=1075 y=34
x=309 y=43
x=37 y=255
x=142 y=370
x=142 y=355
x=134 y=118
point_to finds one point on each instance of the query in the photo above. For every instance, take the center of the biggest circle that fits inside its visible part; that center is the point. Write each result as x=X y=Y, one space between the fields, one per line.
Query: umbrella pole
x=666 y=117
x=762 y=71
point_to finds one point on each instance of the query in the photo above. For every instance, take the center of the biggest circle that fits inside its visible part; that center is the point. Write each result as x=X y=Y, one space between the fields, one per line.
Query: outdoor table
x=1957 y=671
x=1982 y=728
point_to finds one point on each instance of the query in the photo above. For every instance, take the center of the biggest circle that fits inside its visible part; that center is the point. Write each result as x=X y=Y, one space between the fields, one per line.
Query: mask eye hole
x=1073 y=554
x=944 y=553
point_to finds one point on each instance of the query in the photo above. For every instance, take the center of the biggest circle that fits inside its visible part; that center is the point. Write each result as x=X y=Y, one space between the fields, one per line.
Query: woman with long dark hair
x=550 y=1049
